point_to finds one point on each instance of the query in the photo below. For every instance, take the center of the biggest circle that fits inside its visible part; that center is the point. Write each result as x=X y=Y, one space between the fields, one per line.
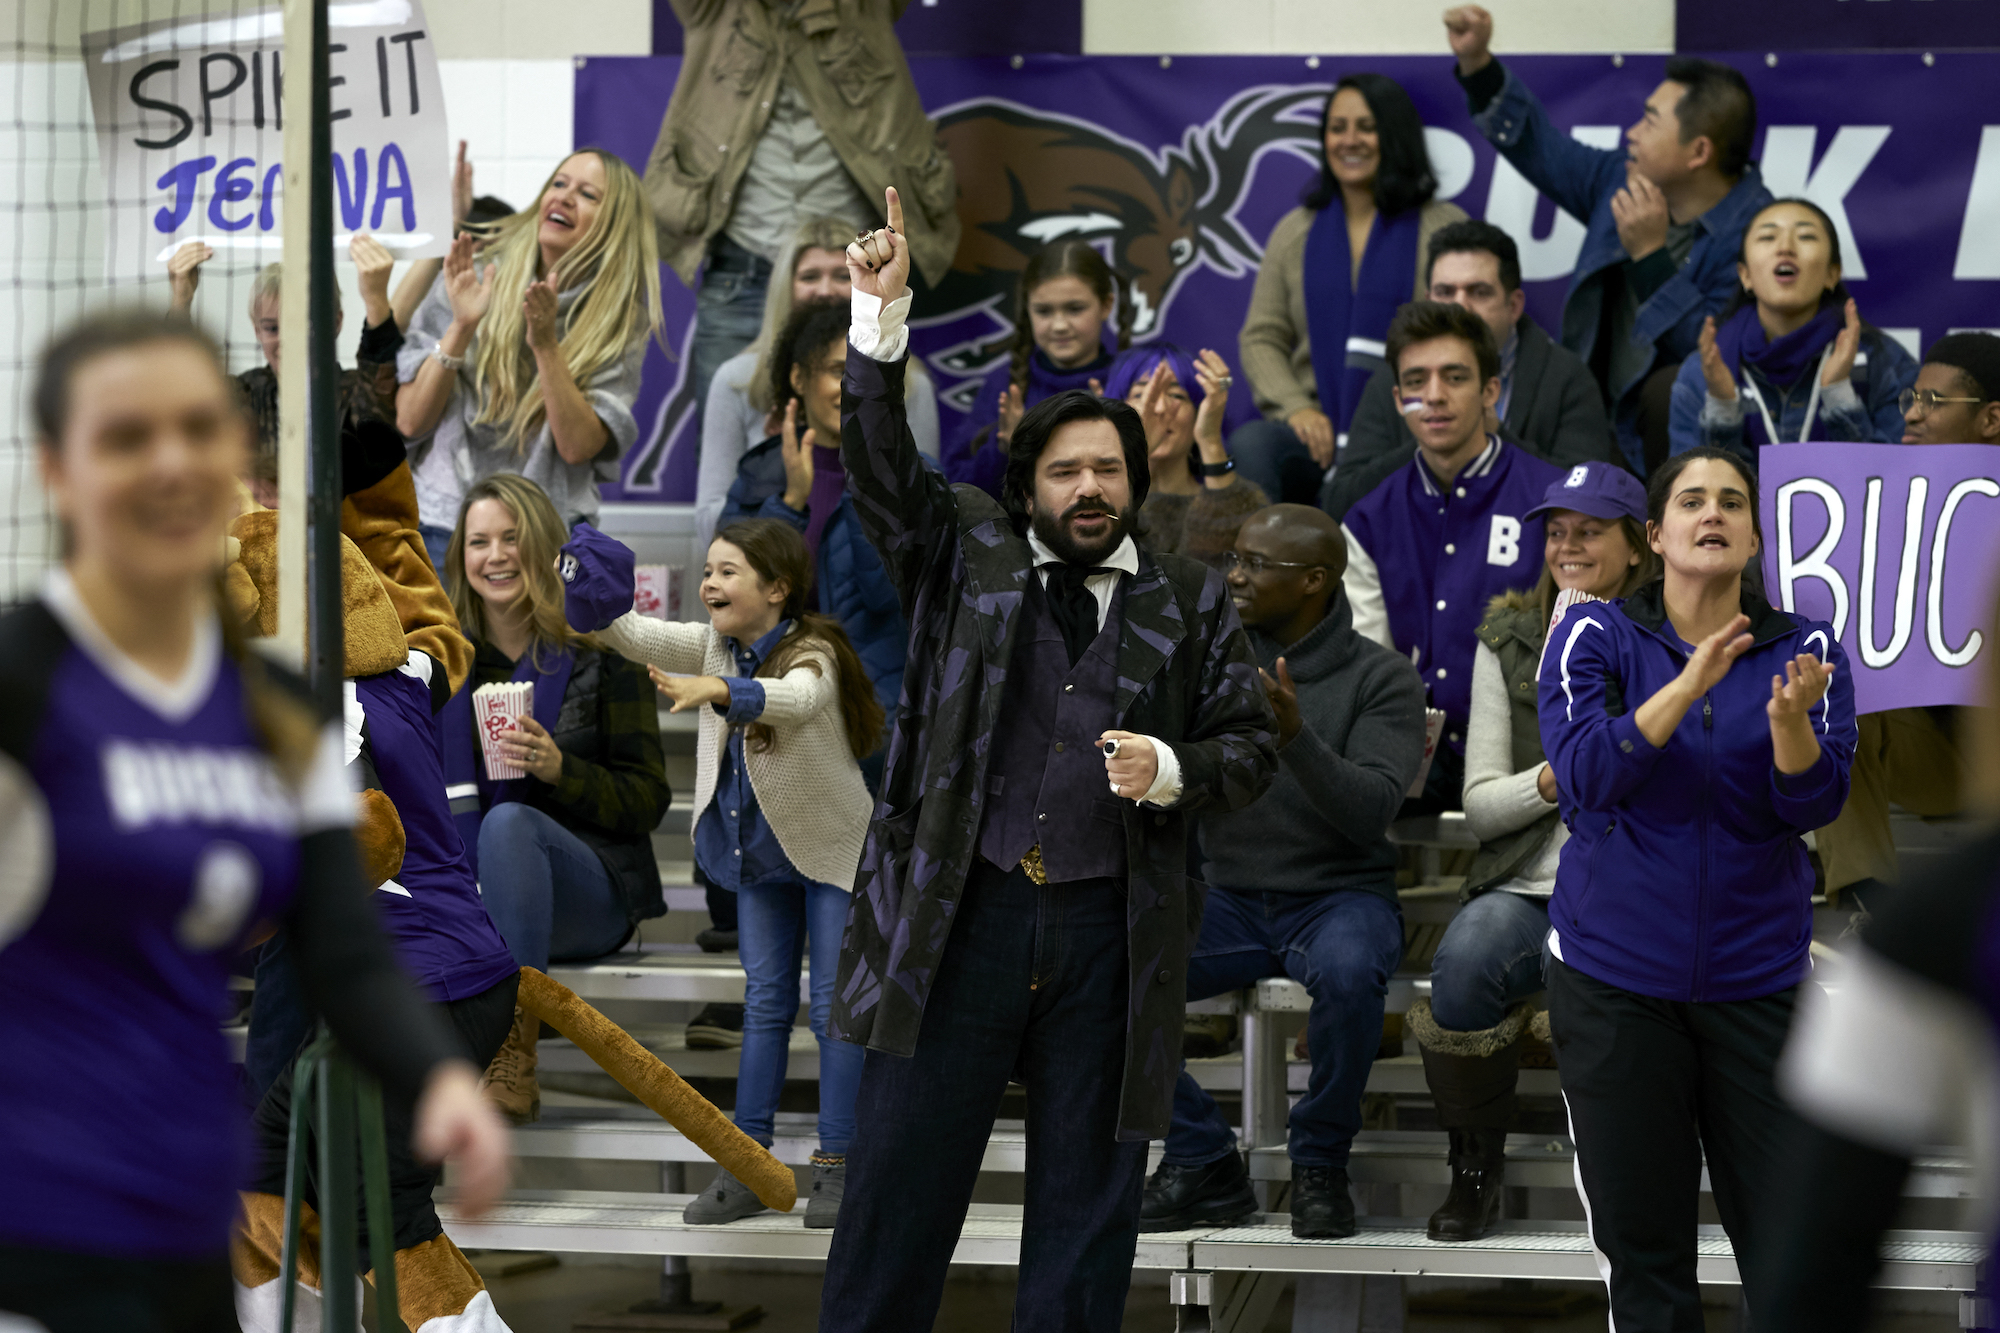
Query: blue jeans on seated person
x=1343 y=947
x=1269 y=453
x=729 y=311
x=1489 y=960
x=548 y=893
x=775 y=922
x=279 y=1019
x=436 y=542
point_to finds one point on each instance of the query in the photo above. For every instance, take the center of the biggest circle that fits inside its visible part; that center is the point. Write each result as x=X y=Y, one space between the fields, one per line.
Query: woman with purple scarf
x=796 y=477
x=1335 y=271
x=1790 y=359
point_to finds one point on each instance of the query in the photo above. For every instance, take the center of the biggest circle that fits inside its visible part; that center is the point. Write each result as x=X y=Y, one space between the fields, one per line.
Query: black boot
x=1215 y=1195
x=1472 y=1076
x=1478 y=1171
x=1322 y=1206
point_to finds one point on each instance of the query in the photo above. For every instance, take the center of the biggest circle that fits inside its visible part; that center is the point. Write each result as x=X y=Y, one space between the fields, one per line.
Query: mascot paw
x=378 y=832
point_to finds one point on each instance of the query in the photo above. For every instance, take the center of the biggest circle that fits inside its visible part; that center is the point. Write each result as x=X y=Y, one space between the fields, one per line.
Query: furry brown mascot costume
x=393 y=608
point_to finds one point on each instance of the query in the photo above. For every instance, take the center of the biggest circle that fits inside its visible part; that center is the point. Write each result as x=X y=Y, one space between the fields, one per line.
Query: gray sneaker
x=829 y=1184
x=725 y=1200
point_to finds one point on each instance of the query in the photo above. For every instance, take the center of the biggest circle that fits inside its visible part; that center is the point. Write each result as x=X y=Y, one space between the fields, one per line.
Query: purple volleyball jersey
x=431 y=909
x=144 y=834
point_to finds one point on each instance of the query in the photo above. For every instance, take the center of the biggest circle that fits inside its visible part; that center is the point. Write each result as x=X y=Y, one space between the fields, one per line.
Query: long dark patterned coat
x=1185 y=676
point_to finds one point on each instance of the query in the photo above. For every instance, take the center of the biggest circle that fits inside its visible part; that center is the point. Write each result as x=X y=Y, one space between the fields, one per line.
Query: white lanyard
x=1812 y=401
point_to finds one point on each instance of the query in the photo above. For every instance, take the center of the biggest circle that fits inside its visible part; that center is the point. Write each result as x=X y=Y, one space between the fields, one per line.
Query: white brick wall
x=516 y=118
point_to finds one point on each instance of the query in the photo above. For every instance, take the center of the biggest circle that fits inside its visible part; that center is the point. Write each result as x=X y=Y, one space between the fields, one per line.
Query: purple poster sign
x=1898 y=548
x=1179 y=168
x=1835 y=25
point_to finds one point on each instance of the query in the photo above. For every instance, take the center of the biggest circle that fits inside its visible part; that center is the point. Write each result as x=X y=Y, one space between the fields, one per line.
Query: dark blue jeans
x=777 y=922
x=729 y=310
x=1489 y=960
x=1032 y=987
x=279 y=1020
x=548 y=893
x=437 y=541
x=1343 y=947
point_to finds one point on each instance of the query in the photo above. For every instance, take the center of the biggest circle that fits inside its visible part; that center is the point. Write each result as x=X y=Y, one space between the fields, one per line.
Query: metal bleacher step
x=1536 y=1161
x=1380 y=1157
x=661 y=972
x=679 y=972
x=1918 y=1260
x=1223 y=1073
x=606 y=1222
x=633 y=1134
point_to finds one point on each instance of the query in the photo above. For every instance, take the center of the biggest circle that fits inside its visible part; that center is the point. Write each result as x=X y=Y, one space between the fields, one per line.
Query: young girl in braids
x=1061 y=306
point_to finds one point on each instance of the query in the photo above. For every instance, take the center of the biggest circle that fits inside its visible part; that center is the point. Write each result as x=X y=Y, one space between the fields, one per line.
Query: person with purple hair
x=1197 y=501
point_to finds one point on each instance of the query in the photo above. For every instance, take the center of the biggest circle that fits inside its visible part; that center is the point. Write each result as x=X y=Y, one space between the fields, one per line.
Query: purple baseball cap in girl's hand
x=597 y=579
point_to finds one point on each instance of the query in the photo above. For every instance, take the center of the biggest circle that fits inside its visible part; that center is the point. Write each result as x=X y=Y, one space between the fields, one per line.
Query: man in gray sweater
x=1304 y=877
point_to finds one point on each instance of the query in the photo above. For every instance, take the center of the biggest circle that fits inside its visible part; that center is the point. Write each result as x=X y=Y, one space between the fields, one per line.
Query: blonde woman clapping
x=525 y=356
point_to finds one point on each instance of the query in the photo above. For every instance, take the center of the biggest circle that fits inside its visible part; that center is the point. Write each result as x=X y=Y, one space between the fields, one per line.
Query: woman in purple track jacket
x=1695 y=733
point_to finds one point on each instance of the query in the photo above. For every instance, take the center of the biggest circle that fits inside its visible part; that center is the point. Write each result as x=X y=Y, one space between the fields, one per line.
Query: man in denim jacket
x=1663 y=218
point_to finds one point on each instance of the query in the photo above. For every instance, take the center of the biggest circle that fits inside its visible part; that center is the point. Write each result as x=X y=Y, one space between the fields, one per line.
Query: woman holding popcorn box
x=553 y=757
x=781 y=810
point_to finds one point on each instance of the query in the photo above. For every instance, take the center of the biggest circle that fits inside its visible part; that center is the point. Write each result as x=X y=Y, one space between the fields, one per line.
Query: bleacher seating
x=1220 y=1280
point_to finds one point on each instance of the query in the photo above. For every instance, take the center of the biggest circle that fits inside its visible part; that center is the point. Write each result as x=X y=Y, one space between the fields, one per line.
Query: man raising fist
x=1023 y=911
x=1647 y=274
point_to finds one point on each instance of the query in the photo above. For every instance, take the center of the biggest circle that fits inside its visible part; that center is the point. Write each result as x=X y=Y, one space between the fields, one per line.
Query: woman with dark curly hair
x=796 y=477
x=1335 y=269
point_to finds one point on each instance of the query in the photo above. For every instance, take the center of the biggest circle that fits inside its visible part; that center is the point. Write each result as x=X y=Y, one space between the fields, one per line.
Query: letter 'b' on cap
x=1601 y=490
x=598 y=579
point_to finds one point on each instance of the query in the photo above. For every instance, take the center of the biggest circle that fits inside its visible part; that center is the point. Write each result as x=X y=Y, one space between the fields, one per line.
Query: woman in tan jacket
x=1326 y=291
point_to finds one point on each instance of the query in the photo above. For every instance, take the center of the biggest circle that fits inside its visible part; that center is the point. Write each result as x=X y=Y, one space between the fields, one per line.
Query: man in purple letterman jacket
x=1447 y=532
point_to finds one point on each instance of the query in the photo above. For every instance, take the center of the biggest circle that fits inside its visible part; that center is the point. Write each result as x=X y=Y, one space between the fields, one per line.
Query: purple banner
x=1179 y=168
x=1898 y=548
x=1835 y=25
x=949 y=27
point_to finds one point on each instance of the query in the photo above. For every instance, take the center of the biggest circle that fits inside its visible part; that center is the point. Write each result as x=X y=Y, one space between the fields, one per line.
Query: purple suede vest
x=1046 y=782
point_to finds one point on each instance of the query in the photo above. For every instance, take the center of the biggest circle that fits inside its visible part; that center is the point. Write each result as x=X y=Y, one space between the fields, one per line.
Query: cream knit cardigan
x=807 y=783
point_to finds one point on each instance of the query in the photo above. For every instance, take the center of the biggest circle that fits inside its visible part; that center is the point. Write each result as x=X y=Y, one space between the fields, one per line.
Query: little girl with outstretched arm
x=785 y=711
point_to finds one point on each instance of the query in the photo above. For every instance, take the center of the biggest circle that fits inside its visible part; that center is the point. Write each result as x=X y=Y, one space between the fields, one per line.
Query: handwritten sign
x=1898 y=547
x=190 y=133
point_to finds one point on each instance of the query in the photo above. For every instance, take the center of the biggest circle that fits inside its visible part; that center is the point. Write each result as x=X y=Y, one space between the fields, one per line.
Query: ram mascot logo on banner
x=1027 y=177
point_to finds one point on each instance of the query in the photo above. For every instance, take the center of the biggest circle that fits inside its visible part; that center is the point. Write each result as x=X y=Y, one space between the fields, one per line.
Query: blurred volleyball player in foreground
x=164 y=799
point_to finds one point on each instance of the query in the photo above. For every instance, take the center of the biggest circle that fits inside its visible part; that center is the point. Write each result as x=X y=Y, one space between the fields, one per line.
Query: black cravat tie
x=1073 y=605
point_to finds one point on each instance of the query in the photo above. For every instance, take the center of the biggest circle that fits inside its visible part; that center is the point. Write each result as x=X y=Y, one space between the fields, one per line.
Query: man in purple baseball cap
x=598 y=579
x=1489 y=962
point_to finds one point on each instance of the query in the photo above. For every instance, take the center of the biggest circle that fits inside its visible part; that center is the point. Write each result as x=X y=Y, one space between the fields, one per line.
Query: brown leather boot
x=510 y=1080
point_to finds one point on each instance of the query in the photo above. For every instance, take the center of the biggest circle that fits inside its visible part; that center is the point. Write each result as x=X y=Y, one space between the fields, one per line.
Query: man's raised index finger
x=894 y=210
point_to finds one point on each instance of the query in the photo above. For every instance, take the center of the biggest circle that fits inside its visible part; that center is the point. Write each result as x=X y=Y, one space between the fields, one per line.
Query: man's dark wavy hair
x=1040 y=423
x=1403 y=176
x=1421 y=321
